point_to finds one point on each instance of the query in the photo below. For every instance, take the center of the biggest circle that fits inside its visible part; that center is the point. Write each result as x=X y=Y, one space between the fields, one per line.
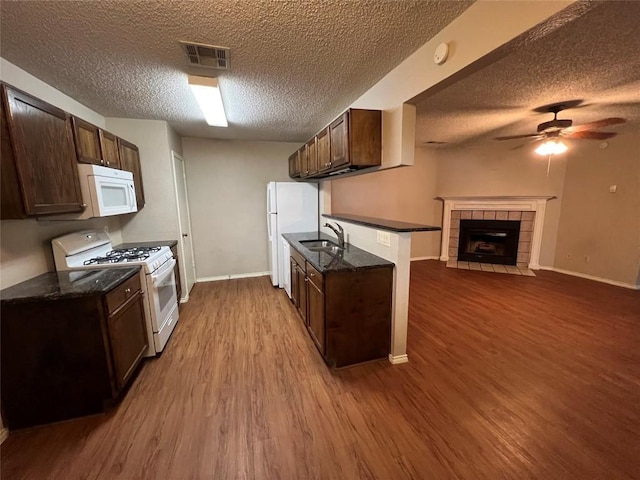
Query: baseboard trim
x=184 y=299
x=398 y=359
x=4 y=434
x=232 y=277
x=433 y=257
x=591 y=277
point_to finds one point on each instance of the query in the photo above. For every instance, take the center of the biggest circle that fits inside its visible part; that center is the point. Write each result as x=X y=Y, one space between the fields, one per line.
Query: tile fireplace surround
x=528 y=210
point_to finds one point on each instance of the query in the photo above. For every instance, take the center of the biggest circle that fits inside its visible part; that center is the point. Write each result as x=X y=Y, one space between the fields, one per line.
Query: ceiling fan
x=557 y=129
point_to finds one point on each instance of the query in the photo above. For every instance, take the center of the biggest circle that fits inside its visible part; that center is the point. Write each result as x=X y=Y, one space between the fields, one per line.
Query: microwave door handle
x=132 y=195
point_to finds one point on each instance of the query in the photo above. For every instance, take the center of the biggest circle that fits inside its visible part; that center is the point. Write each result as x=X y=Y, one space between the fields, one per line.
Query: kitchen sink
x=322 y=246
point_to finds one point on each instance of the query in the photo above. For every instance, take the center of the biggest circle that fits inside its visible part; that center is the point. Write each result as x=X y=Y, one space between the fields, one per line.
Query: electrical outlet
x=384 y=238
x=587 y=258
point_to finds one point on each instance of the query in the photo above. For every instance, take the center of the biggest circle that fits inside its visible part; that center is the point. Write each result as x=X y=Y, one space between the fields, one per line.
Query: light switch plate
x=384 y=238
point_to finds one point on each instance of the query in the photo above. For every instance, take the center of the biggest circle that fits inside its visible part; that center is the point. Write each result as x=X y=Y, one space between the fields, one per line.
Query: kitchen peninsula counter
x=383 y=224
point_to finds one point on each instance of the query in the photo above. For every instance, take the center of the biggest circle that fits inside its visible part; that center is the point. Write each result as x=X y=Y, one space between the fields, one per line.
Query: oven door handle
x=163 y=270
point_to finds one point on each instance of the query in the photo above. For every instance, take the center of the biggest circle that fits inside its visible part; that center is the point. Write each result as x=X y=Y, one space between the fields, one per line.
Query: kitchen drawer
x=315 y=276
x=122 y=293
x=299 y=259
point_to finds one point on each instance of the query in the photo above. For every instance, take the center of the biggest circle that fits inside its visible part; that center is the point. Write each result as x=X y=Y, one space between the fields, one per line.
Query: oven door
x=112 y=196
x=161 y=288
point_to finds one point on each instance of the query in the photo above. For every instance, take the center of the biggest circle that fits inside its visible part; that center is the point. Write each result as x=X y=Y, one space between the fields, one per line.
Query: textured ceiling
x=294 y=64
x=595 y=58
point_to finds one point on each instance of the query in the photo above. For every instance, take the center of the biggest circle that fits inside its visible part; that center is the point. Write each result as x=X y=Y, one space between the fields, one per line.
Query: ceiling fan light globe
x=551 y=147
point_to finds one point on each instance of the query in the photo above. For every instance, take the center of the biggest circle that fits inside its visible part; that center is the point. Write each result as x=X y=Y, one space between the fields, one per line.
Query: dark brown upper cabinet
x=303 y=161
x=109 y=149
x=339 y=131
x=94 y=145
x=294 y=165
x=323 y=150
x=312 y=157
x=351 y=142
x=87 y=140
x=38 y=165
x=364 y=138
x=130 y=161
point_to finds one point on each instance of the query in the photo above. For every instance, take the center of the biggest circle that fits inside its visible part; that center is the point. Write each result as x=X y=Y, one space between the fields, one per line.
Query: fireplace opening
x=489 y=241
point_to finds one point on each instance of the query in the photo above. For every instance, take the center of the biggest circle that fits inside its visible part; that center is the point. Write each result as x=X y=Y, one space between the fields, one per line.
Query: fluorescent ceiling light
x=207 y=93
x=551 y=147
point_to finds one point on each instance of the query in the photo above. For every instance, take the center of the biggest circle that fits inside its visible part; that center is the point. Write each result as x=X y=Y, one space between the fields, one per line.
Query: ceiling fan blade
x=605 y=122
x=518 y=147
x=511 y=137
x=589 y=134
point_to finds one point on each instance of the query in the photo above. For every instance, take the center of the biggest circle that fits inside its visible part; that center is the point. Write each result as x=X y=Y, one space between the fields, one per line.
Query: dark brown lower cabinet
x=69 y=357
x=127 y=338
x=347 y=312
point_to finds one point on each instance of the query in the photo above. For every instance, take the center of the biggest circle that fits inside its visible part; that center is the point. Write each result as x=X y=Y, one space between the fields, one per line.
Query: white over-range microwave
x=105 y=192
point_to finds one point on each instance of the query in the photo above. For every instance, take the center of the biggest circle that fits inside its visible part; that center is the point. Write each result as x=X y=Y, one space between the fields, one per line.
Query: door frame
x=183 y=267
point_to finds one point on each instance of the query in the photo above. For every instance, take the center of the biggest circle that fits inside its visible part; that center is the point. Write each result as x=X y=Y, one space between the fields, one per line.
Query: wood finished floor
x=509 y=377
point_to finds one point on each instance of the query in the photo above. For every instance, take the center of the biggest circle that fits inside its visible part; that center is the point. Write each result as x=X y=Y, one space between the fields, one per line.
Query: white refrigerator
x=291 y=207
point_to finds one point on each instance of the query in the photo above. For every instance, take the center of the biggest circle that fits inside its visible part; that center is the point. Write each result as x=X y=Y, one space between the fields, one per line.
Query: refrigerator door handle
x=269 y=234
x=268 y=199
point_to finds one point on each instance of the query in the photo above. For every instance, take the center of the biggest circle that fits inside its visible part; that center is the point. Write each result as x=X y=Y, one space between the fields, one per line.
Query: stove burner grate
x=120 y=255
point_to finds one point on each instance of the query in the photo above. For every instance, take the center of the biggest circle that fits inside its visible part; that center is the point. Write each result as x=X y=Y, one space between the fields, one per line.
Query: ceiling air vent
x=208 y=56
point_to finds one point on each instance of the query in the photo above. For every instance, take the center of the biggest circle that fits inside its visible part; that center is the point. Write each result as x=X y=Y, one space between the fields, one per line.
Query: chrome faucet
x=338 y=231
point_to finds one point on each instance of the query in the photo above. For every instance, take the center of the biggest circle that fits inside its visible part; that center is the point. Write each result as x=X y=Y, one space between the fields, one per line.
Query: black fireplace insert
x=489 y=241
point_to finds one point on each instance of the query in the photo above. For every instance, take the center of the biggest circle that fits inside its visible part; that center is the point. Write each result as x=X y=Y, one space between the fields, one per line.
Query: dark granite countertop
x=351 y=259
x=158 y=243
x=383 y=224
x=58 y=285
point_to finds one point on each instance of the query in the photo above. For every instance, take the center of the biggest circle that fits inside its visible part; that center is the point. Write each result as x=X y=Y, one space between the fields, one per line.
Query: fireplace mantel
x=535 y=204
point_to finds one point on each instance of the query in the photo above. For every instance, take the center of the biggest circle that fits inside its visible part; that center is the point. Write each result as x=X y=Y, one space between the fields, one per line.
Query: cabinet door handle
x=312 y=274
x=306 y=279
x=127 y=291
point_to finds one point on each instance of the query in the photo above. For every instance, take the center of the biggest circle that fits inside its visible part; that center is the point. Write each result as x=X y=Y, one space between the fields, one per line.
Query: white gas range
x=92 y=249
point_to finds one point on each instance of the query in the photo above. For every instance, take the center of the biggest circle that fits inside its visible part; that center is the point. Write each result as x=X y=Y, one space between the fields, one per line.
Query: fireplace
x=489 y=241
x=529 y=211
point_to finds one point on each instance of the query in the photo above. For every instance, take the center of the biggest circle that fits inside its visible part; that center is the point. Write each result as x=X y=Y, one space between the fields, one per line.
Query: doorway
x=185 y=241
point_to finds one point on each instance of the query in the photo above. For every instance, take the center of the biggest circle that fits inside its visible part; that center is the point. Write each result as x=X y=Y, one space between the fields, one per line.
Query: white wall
x=405 y=194
x=599 y=231
x=227 y=183
x=158 y=220
x=25 y=248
